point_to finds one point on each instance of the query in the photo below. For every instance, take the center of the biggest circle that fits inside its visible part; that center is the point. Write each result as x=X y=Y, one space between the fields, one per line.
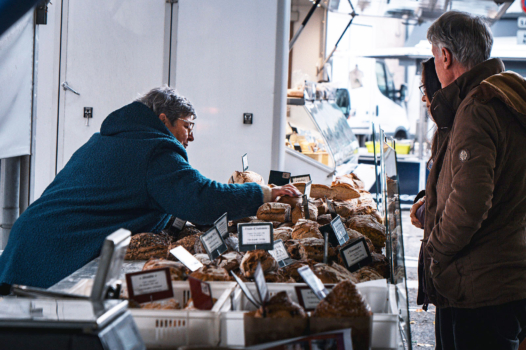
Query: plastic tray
x=173 y=328
x=385 y=323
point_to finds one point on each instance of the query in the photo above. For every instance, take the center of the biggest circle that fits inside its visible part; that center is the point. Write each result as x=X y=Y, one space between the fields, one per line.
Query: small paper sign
x=305 y=204
x=222 y=225
x=201 y=294
x=300 y=178
x=306 y=297
x=254 y=236
x=278 y=178
x=339 y=230
x=281 y=254
x=179 y=224
x=313 y=282
x=245 y=290
x=330 y=207
x=244 y=160
x=356 y=254
x=186 y=258
x=213 y=243
x=261 y=285
x=149 y=285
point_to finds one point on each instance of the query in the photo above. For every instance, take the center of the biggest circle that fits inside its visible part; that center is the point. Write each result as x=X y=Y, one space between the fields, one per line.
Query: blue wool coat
x=134 y=174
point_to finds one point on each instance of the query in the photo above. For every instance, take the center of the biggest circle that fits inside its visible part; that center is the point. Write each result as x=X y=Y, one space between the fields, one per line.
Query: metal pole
x=10 y=210
x=303 y=24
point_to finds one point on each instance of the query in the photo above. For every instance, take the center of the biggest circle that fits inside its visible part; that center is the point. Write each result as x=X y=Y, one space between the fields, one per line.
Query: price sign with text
x=149 y=285
x=300 y=178
x=186 y=258
x=281 y=254
x=339 y=230
x=254 y=236
x=179 y=224
x=278 y=178
x=261 y=285
x=222 y=225
x=201 y=294
x=356 y=254
x=313 y=282
x=245 y=290
x=213 y=243
x=307 y=298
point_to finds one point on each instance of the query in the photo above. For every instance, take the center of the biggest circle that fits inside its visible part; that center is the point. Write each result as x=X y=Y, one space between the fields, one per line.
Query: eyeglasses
x=187 y=124
x=422 y=90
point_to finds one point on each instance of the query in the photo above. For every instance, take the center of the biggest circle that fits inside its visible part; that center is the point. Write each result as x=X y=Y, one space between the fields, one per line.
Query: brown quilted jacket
x=475 y=222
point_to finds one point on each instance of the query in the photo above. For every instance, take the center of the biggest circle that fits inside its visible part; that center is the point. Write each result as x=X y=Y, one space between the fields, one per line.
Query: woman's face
x=425 y=98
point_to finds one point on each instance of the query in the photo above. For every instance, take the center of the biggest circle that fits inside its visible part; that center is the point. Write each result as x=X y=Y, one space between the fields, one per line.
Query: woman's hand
x=414 y=208
x=287 y=190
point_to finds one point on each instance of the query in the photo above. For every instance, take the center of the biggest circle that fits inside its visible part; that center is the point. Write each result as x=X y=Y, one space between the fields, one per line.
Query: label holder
x=280 y=251
x=215 y=252
x=244 y=160
x=313 y=282
x=242 y=230
x=261 y=286
x=279 y=178
x=305 y=204
x=336 y=238
x=201 y=293
x=222 y=225
x=306 y=297
x=300 y=178
x=356 y=254
x=186 y=258
x=155 y=276
x=330 y=207
x=245 y=290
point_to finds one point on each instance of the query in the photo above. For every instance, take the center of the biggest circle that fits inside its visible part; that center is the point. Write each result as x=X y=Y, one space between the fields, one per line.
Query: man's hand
x=414 y=208
x=287 y=190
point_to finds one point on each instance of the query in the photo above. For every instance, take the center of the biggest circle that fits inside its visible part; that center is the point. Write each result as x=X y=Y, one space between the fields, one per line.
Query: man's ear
x=447 y=58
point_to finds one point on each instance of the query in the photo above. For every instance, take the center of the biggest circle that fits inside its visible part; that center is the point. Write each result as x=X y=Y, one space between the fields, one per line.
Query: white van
x=374 y=99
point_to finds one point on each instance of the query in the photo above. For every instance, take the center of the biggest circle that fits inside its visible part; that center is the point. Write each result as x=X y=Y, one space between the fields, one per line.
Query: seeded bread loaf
x=144 y=246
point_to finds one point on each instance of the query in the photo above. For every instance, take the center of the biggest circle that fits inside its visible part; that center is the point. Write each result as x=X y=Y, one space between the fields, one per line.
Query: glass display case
x=318 y=129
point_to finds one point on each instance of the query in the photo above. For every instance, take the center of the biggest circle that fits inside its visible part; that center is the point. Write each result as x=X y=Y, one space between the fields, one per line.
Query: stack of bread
x=301 y=237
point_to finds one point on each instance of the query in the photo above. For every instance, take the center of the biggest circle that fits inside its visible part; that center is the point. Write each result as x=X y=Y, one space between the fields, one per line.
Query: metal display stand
x=36 y=318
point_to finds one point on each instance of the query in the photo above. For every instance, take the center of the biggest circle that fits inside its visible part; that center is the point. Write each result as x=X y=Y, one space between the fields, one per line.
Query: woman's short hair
x=467 y=37
x=165 y=100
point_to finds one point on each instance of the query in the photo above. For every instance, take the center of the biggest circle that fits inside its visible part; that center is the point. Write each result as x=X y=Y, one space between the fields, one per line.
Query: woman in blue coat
x=134 y=174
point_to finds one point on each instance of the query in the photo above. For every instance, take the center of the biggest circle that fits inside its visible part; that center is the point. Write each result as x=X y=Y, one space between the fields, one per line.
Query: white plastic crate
x=385 y=323
x=173 y=328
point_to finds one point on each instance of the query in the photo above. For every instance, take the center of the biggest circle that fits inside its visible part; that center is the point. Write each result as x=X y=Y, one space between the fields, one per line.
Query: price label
x=179 y=224
x=261 y=284
x=256 y=236
x=222 y=225
x=313 y=282
x=201 y=294
x=339 y=230
x=281 y=254
x=244 y=160
x=149 y=285
x=356 y=254
x=300 y=178
x=278 y=178
x=521 y=22
x=186 y=258
x=307 y=298
x=245 y=290
x=213 y=243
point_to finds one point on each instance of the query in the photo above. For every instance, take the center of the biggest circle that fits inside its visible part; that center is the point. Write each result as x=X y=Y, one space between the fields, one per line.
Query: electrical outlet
x=247 y=118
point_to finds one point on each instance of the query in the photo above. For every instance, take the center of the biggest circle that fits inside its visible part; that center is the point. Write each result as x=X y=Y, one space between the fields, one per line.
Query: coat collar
x=447 y=100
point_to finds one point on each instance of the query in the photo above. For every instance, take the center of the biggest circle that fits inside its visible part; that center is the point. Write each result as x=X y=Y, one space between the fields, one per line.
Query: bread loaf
x=321 y=191
x=344 y=300
x=314 y=248
x=368 y=226
x=211 y=273
x=178 y=272
x=299 y=213
x=239 y=177
x=250 y=262
x=144 y=246
x=343 y=191
x=306 y=229
x=274 y=212
x=281 y=306
x=328 y=274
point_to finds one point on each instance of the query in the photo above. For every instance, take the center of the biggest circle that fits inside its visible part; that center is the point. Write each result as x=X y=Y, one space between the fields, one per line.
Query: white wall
x=229 y=61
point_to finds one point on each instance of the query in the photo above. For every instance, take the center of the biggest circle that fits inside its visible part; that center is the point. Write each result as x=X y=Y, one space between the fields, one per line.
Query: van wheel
x=400 y=135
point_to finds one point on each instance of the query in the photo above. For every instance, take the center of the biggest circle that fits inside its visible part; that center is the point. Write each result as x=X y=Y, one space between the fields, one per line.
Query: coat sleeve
x=178 y=189
x=473 y=159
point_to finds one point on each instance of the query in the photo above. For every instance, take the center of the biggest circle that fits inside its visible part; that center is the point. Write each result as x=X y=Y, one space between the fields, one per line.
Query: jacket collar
x=447 y=100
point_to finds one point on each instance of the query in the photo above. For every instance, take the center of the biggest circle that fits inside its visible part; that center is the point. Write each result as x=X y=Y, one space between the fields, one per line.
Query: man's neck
x=455 y=72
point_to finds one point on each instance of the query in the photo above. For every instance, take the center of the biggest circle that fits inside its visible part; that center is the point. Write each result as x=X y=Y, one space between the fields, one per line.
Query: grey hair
x=467 y=37
x=165 y=100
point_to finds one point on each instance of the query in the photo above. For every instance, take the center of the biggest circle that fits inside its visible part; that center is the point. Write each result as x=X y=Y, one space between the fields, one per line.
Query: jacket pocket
x=447 y=280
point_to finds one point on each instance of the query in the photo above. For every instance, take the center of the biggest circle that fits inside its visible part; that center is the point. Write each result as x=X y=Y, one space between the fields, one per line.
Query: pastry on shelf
x=291 y=271
x=241 y=177
x=293 y=248
x=282 y=233
x=274 y=211
x=229 y=261
x=344 y=300
x=187 y=243
x=329 y=274
x=314 y=248
x=367 y=273
x=178 y=272
x=306 y=229
x=281 y=306
x=250 y=261
x=144 y=246
x=368 y=226
x=211 y=273
x=299 y=213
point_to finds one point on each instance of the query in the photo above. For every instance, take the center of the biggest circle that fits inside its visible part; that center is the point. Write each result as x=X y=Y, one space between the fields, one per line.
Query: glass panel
x=333 y=125
x=395 y=244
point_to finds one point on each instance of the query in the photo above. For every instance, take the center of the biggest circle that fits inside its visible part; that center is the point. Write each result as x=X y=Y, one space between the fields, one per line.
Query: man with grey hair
x=134 y=174
x=474 y=242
